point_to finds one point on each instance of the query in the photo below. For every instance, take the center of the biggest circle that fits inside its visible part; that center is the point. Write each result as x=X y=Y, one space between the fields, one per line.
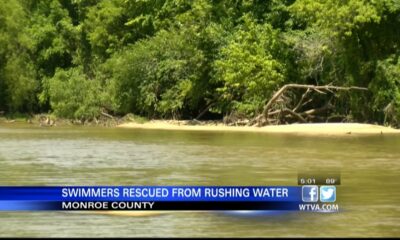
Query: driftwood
x=276 y=108
x=205 y=110
x=46 y=121
x=106 y=114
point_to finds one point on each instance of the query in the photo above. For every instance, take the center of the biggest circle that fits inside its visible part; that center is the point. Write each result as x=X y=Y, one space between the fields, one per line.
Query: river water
x=369 y=194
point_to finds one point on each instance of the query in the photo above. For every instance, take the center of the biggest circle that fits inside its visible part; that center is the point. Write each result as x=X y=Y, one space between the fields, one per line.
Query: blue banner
x=150 y=198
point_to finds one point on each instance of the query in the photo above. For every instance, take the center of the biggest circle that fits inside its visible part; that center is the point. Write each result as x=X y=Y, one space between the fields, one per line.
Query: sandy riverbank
x=310 y=128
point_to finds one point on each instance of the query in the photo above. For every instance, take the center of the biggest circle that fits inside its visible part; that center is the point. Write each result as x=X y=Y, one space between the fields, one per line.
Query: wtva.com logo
x=326 y=193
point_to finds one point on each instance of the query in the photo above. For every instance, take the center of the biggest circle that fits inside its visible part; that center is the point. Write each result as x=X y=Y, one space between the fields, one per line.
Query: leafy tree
x=53 y=36
x=17 y=75
x=72 y=95
x=249 y=68
x=348 y=40
x=111 y=25
x=156 y=77
x=386 y=89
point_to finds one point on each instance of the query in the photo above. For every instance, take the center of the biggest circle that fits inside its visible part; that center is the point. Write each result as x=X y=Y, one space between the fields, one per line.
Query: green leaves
x=340 y=18
x=72 y=95
x=155 y=76
x=17 y=74
x=386 y=89
x=349 y=43
x=248 y=68
x=175 y=58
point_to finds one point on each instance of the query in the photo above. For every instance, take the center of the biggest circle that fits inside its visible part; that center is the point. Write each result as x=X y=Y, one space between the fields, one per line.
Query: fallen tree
x=281 y=108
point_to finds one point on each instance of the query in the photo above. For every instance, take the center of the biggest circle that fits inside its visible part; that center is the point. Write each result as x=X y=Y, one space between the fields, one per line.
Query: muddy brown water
x=369 y=195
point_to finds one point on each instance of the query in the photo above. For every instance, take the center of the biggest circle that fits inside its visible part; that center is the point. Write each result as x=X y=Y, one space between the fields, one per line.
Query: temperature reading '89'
x=331 y=181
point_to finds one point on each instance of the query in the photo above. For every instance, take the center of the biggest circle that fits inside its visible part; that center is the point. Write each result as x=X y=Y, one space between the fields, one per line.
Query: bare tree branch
x=301 y=86
x=279 y=100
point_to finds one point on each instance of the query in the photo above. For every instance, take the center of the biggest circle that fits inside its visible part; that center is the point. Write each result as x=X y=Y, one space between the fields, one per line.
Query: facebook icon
x=309 y=193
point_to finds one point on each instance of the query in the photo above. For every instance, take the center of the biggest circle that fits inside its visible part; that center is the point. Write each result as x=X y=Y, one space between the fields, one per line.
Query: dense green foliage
x=174 y=58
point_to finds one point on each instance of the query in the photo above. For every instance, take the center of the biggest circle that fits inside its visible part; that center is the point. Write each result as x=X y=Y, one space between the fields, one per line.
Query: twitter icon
x=327 y=193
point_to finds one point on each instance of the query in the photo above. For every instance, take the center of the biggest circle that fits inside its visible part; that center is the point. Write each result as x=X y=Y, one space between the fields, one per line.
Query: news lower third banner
x=159 y=198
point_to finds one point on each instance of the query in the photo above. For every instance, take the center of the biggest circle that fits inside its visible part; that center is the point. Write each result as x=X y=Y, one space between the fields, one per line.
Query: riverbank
x=307 y=128
x=48 y=120
x=131 y=121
